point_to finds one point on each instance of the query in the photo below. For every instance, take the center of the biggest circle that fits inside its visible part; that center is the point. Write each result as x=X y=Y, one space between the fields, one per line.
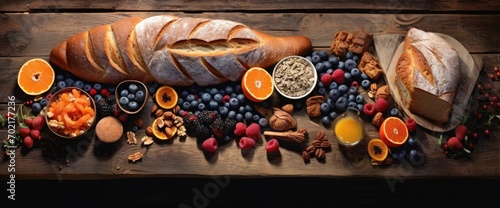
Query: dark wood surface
x=30 y=29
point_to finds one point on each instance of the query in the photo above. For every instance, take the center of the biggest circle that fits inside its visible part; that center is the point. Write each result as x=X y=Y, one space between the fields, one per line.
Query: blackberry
x=111 y=100
x=230 y=125
x=202 y=132
x=191 y=121
x=218 y=128
x=103 y=108
x=207 y=116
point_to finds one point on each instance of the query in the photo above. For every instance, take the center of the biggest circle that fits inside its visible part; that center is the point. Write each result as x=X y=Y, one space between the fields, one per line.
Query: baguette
x=172 y=51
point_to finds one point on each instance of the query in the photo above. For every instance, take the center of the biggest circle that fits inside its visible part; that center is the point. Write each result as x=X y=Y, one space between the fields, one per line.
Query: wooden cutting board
x=389 y=48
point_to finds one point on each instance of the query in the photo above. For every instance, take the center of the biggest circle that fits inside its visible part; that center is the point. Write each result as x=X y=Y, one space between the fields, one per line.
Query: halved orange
x=36 y=76
x=160 y=133
x=166 y=97
x=257 y=84
x=377 y=149
x=393 y=132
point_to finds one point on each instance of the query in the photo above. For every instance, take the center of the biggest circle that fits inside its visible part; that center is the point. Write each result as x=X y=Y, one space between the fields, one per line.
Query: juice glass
x=348 y=128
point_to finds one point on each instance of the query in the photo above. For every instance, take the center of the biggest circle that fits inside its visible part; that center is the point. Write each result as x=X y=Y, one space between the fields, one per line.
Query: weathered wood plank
x=37 y=34
x=385 y=6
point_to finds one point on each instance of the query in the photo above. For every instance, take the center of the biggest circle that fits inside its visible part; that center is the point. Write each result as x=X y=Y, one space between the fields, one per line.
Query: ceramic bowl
x=125 y=106
x=301 y=78
x=53 y=123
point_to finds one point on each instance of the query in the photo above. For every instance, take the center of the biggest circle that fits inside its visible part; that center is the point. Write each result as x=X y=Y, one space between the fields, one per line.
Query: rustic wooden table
x=31 y=28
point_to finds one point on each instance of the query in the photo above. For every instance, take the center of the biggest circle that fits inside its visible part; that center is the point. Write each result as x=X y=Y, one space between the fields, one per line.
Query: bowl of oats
x=294 y=77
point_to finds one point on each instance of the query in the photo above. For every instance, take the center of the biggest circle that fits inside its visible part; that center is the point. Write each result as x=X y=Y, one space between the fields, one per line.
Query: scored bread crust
x=428 y=75
x=173 y=51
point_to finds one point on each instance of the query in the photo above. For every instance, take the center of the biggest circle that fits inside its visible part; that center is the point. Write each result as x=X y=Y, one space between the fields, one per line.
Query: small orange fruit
x=257 y=84
x=377 y=150
x=160 y=133
x=35 y=77
x=393 y=132
x=166 y=97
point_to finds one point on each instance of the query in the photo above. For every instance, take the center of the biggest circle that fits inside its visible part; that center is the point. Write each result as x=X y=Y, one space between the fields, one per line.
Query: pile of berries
x=410 y=151
x=339 y=80
x=132 y=97
x=226 y=99
x=207 y=124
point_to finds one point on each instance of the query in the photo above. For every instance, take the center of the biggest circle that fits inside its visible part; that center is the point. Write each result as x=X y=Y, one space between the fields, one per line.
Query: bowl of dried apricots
x=70 y=113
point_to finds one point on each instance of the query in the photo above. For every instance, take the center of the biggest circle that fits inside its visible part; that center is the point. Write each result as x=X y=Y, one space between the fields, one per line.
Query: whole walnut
x=384 y=92
x=281 y=120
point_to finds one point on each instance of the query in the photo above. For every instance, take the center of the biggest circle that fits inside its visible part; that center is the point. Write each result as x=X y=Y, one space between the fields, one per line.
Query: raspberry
x=28 y=142
x=246 y=143
x=253 y=131
x=240 y=129
x=326 y=79
x=272 y=145
x=210 y=145
x=92 y=92
x=381 y=105
x=104 y=92
x=338 y=76
x=411 y=124
x=454 y=143
x=369 y=109
x=460 y=132
x=355 y=84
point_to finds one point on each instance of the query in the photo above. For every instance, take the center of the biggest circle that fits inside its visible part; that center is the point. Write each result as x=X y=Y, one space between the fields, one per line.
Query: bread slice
x=82 y=66
x=148 y=31
x=428 y=75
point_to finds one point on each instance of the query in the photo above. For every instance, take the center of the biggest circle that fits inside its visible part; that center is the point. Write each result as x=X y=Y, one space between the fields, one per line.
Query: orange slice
x=35 y=77
x=377 y=150
x=166 y=97
x=393 y=132
x=160 y=133
x=257 y=84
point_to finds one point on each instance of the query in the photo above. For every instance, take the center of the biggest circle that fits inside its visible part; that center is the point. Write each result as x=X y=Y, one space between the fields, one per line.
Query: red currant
x=495 y=68
x=498 y=74
x=471 y=145
x=492 y=76
x=445 y=146
x=475 y=135
x=479 y=86
x=487 y=131
x=485 y=107
x=486 y=95
x=495 y=98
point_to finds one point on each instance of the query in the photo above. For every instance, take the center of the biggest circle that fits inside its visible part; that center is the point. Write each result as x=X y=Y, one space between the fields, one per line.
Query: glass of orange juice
x=348 y=128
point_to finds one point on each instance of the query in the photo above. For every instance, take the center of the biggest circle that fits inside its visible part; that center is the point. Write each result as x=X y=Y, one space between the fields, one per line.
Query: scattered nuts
x=147 y=140
x=181 y=131
x=159 y=112
x=320 y=154
x=135 y=157
x=282 y=121
x=383 y=92
x=378 y=119
x=160 y=122
x=313 y=105
x=306 y=157
x=131 y=138
x=176 y=109
x=168 y=115
x=321 y=136
x=310 y=149
x=316 y=143
x=326 y=145
x=168 y=123
x=302 y=131
x=287 y=108
x=154 y=108
x=139 y=122
x=149 y=131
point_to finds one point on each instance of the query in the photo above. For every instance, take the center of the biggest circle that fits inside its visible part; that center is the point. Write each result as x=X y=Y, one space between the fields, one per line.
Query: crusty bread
x=428 y=75
x=172 y=51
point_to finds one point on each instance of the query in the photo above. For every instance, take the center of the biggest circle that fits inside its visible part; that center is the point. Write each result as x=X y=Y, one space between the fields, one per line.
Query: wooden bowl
x=55 y=98
x=124 y=85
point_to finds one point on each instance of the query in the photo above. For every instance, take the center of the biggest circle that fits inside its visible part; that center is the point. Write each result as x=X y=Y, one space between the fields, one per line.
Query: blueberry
x=194 y=104
x=402 y=154
x=132 y=105
x=394 y=112
x=234 y=95
x=330 y=70
x=237 y=89
x=222 y=91
x=98 y=97
x=334 y=94
x=124 y=93
x=79 y=84
x=355 y=58
x=348 y=77
x=241 y=98
x=324 y=108
x=350 y=64
x=341 y=104
x=395 y=156
x=353 y=90
x=320 y=84
x=343 y=88
x=139 y=96
x=333 y=115
x=87 y=87
x=321 y=90
x=186 y=105
x=201 y=106
x=151 y=90
x=213 y=91
x=135 y=128
x=228 y=89
x=412 y=141
x=341 y=65
x=416 y=158
x=327 y=65
x=360 y=99
x=131 y=97
x=349 y=55
x=263 y=122
x=239 y=117
x=132 y=88
x=352 y=105
x=248 y=108
x=256 y=118
x=320 y=68
x=234 y=103
x=97 y=86
x=364 y=76
x=315 y=59
x=333 y=85
x=223 y=111
x=53 y=90
x=111 y=89
x=218 y=98
x=351 y=98
x=123 y=101
x=309 y=58
x=356 y=73
x=323 y=55
x=213 y=105
x=360 y=107
x=365 y=84
x=206 y=97
x=36 y=108
x=43 y=102
x=61 y=84
x=231 y=114
x=248 y=116
x=60 y=77
x=326 y=121
x=69 y=81
x=331 y=102
x=334 y=61
x=190 y=98
x=226 y=104
x=315 y=53
x=242 y=110
x=298 y=105
x=184 y=93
